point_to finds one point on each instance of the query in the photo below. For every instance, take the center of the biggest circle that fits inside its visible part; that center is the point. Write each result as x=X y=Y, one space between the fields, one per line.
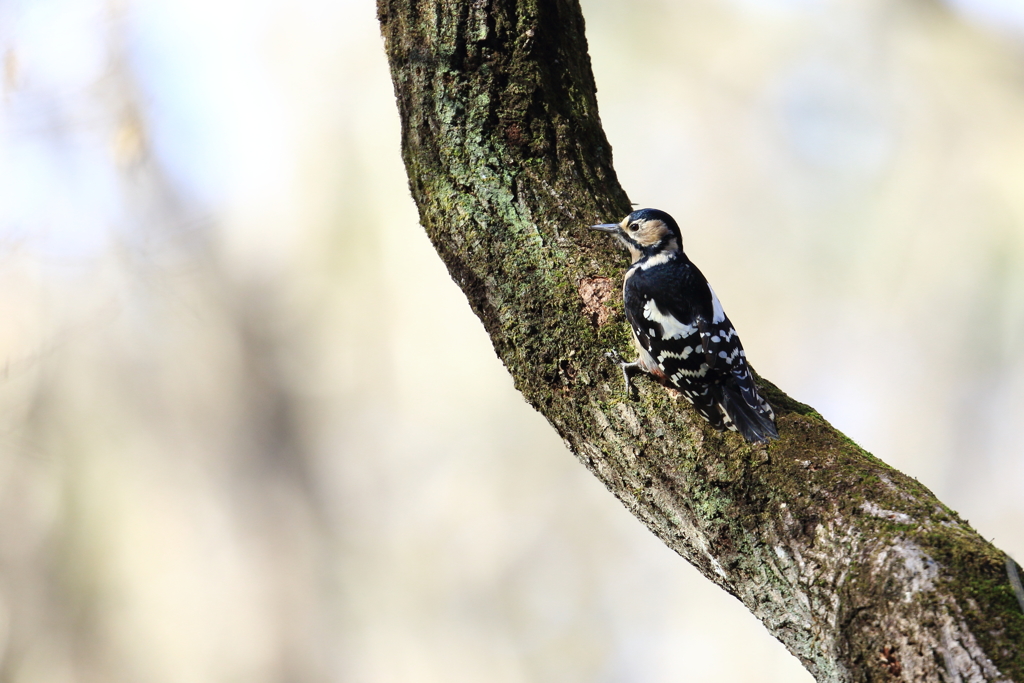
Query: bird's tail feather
x=755 y=422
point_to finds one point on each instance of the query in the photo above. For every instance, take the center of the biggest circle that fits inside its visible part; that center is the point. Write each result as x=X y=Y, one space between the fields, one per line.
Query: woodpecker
x=685 y=340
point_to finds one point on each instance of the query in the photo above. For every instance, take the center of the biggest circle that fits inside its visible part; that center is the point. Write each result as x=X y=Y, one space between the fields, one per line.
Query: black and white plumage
x=684 y=338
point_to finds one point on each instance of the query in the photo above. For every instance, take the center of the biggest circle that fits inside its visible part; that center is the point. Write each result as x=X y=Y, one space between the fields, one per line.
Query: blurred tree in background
x=237 y=383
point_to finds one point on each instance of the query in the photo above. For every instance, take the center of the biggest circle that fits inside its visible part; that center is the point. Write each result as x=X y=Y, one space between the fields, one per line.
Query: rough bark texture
x=857 y=568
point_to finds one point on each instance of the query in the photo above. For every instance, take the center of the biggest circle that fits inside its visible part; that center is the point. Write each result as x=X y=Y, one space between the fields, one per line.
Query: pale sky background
x=250 y=430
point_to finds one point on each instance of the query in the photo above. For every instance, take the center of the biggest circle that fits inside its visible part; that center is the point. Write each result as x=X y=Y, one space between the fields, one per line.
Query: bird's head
x=645 y=232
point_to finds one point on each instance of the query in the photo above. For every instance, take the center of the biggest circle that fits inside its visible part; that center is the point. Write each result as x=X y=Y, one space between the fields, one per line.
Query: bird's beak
x=606 y=227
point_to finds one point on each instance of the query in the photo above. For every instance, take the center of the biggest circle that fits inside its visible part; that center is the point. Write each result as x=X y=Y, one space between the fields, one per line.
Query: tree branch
x=858 y=569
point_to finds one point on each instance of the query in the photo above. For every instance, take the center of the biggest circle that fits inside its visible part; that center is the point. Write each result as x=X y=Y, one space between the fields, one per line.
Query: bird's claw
x=628 y=370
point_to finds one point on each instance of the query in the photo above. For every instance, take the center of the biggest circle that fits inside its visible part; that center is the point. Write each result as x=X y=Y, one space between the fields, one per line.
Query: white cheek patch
x=670 y=327
x=719 y=312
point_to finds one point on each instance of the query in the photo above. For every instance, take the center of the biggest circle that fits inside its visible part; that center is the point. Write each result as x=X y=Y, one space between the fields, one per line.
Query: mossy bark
x=858 y=569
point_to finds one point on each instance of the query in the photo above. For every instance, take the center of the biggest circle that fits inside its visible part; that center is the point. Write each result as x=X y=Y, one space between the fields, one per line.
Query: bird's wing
x=663 y=325
x=692 y=299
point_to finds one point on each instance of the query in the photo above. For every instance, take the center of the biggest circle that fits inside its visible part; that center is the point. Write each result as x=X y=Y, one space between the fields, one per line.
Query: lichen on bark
x=858 y=569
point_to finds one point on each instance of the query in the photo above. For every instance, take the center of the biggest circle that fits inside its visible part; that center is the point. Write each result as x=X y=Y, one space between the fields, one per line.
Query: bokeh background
x=250 y=430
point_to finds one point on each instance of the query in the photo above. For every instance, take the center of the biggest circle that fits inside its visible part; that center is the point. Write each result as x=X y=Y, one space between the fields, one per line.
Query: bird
x=684 y=338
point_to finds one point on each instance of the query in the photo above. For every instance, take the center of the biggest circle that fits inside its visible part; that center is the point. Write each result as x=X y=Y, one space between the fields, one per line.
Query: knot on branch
x=596 y=292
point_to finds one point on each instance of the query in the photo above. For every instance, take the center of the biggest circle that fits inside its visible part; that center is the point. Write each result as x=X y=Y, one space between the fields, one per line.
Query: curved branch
x=858 y=569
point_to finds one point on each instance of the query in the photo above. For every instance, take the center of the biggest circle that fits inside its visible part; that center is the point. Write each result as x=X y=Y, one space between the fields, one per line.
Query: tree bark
x=858 y=569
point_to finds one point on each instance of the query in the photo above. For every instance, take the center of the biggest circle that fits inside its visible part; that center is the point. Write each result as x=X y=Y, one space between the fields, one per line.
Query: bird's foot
x=629 y=370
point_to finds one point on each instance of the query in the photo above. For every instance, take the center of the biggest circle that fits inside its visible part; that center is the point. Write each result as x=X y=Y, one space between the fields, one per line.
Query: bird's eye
x=634 y=226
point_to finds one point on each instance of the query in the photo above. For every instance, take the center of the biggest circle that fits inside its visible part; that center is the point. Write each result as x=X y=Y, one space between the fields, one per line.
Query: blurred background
x=250 y=430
